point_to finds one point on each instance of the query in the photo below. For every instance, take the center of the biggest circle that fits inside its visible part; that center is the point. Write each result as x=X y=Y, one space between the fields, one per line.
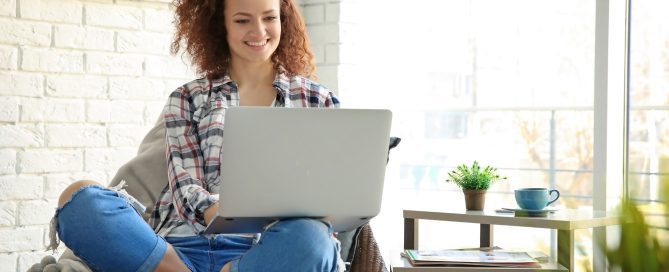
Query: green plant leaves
x=639 y=247
x=474 y=177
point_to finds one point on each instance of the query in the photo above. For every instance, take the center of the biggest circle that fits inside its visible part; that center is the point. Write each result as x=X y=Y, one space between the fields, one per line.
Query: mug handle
x=556 y=197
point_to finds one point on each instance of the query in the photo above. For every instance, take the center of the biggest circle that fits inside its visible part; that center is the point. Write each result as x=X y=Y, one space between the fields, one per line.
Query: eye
x=242 y=21
x=271 y=18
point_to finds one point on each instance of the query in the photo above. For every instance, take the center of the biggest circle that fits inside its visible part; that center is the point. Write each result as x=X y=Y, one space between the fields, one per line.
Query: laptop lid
x=301 y=162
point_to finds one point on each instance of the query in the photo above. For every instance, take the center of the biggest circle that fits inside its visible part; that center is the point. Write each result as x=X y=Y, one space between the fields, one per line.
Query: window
x=507 y=83
x=649 y=100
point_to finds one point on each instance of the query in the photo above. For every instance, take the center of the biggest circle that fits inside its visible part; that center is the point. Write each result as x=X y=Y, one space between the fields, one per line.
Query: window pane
x=649 y=99
x=507 y=83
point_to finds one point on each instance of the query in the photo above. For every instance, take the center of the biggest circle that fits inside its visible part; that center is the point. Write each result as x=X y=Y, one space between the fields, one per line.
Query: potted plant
x=474 y=182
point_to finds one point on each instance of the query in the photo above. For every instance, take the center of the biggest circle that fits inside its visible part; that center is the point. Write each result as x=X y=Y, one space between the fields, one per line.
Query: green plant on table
x=474 y=177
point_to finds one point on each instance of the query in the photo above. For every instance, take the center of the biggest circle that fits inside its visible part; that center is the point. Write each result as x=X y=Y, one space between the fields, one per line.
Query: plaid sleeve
x=185 y=161
x=331 y=101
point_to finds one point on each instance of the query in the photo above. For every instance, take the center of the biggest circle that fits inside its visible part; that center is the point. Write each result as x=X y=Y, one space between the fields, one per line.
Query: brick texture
x=114 y=16
x=7 y=213
x=21 y=239
x=9 y=57
x=27 y=259
x=76 y=86
x=143 y=42
x=8 y=261
x=36 y=212
x=9 y=109
x=75 y=135
x=45 y=60
x=7 y=161
x=21 y=187
x=80 y=37
x=159 y=20
x=56 y=183
x=66 y=11
x=22 y=135
x=8 y=8
x=21 y=84
x=25 y=33
x=83 y=81
x=36 y=161
x=52 y=110
x=114 y=64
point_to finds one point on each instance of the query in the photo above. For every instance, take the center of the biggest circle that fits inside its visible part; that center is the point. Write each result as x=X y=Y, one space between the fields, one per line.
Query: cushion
x=146 y=173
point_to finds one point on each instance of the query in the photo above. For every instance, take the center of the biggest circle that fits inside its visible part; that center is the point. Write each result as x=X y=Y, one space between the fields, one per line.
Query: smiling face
x=253 y=29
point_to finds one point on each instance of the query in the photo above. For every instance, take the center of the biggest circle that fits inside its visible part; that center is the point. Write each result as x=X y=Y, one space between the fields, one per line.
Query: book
x=486 y=256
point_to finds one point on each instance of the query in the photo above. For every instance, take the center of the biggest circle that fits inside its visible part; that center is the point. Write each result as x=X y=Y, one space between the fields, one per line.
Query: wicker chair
x=367 y=256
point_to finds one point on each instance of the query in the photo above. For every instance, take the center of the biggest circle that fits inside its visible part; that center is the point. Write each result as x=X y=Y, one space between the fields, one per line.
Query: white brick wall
x=9 y=109
x=114 y=16
x=52 y=110
x=52 y=60
x=26 y=260
x=324 y=28
x=24 y=32
x=83 y=37
x=83 y=81
x=20 y=239
x=7 y=161
x=8 y=7
x=52 y=11
x=8 y=57
x=21 y=84
x=87 y=86
x=21 y=187
x=74 y=103
x=114 y=64
x=7 y=214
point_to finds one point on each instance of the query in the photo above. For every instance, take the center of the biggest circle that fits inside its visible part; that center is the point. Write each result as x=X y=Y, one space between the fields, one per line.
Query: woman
x=252 y=53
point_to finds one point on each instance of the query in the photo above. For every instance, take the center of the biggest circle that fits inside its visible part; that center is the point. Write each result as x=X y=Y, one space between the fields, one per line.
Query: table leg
x=486 y=236
x=599 y=249
x=410 y=233
x=565 y=249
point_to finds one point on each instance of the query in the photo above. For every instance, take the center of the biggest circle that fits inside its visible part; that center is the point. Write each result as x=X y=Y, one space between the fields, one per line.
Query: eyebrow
x=249 y=14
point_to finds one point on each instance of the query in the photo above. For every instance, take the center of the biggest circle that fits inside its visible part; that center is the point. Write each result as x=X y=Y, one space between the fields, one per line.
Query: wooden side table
x=564 y=221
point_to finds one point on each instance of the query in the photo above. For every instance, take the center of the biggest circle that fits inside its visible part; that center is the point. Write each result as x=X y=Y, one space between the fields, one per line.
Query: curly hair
x=200 y=33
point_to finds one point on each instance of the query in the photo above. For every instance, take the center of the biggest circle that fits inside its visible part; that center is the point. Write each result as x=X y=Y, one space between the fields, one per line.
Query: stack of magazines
x=485 y=256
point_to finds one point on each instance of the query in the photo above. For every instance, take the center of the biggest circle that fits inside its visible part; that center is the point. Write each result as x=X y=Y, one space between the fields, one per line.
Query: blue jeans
x=105 y=231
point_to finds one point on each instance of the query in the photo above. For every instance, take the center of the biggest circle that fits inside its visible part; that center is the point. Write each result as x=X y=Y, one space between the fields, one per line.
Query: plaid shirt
x=194 y=117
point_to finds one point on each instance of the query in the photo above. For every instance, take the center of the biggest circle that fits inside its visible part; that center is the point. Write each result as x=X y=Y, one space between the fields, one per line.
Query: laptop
x=281 y=163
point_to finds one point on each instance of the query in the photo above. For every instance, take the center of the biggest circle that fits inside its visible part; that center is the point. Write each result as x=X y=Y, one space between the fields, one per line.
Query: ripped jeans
x=101 y=227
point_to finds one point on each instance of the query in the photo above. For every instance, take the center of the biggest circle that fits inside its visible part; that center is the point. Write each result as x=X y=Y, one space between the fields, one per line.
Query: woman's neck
x=252 y=74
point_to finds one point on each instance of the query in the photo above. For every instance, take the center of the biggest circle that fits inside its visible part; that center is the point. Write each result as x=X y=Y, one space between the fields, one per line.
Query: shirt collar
x=281 y=82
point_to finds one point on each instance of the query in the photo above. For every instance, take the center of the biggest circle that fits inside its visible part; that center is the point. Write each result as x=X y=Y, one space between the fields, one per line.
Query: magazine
x=487 y=256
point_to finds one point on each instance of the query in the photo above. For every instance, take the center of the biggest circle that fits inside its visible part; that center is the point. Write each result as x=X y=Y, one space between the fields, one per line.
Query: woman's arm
x=185 y=163
x=210 y=213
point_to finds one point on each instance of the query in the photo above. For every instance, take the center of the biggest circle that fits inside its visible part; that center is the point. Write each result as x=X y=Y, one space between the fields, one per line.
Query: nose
x=258 y=28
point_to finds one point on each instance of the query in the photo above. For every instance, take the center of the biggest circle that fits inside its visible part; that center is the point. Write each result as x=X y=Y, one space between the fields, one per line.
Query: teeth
x=257 y=43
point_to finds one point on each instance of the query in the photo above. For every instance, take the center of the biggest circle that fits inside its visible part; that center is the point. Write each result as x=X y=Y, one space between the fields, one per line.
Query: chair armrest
x=367 y=257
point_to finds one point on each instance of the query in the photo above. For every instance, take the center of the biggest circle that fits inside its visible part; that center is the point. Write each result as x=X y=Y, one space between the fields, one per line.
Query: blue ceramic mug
x=535 y=198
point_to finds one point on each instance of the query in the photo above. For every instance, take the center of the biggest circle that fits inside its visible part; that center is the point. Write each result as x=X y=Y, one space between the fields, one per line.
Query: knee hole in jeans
x=67 y=194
